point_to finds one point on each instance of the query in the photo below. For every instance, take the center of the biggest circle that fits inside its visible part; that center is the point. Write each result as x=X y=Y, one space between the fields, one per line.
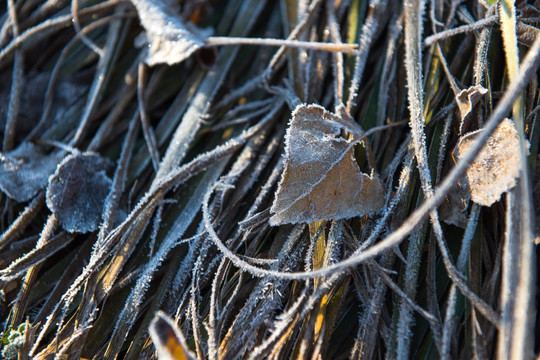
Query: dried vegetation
x=285 y=179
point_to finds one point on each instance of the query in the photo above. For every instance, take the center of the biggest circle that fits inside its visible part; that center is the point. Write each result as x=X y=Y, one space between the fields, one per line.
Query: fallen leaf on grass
x=496 y=168
x=322 y=180
x=25 y=170
x=170 y=40
x=77 y=191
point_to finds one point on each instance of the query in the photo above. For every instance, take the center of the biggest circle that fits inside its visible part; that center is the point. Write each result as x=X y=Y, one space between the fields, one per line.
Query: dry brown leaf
x=322 y=180
x=170 y=40
x=496 y=168
x=467 y=99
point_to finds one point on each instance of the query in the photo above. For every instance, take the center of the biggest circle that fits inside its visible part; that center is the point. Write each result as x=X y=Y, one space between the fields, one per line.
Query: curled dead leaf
x=496 y=168
x=25 y=170
x=77 y=191
x=467 y=99
x=322 y=180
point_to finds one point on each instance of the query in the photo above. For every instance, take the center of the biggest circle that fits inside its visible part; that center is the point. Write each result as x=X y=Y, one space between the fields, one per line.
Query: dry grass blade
x=520 y=327
x=240 y=165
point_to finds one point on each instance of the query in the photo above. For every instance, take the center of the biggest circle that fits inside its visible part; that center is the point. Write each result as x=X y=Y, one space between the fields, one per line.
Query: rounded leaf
x=77 y=192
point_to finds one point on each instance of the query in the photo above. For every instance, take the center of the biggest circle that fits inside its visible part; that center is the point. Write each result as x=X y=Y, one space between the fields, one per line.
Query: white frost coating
x=266 y=299
x=131 y=307
x=170 y=40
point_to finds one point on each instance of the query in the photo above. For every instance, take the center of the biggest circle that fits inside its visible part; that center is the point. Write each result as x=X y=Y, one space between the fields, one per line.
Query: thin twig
x=77 y=26
x=17 y=84
x=480 y=24
x=149 y=135
x=50 y=25
x=219 y=41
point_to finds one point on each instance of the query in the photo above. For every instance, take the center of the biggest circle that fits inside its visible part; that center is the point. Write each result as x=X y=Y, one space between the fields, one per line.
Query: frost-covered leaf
x=168 y=339
x=77 y=191
x=25 y=171
x=467 y=98
x=322 y=180
x=496 y=168
x=170 y=40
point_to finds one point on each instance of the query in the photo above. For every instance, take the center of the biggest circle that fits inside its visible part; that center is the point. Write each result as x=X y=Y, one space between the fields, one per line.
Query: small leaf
x=168 y=339
x=77 y=191
x=467 y=99
x=496 y=168
x=25 y=171
x=170 y=40
x=322 y=180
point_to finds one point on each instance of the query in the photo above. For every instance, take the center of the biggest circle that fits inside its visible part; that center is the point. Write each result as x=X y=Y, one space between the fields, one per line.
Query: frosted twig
x=480 y=24
x=229 y=40
x=50 y=25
